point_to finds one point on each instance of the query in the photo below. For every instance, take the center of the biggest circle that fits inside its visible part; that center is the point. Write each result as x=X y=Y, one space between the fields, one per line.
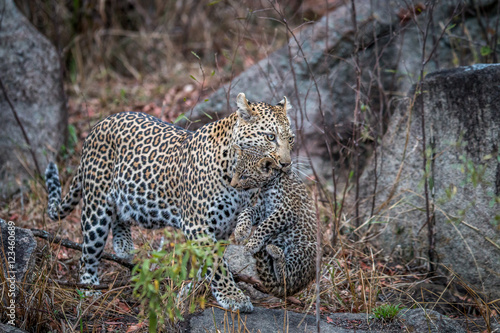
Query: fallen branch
x=90 y=286
x=257 y=285
x=75 y=246
x=251 y=281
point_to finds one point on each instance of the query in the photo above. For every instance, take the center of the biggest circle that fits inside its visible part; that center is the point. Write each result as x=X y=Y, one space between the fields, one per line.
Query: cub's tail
x=56 y=209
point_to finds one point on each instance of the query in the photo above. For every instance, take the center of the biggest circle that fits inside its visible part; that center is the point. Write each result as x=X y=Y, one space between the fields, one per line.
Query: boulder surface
x=461 y=114
x=31 y=74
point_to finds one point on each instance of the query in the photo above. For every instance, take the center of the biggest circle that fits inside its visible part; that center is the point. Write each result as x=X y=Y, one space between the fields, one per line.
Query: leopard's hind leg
x=122 y=239
x=279 y=263
x=266 y=271
x=120 y=227
x=97 y=217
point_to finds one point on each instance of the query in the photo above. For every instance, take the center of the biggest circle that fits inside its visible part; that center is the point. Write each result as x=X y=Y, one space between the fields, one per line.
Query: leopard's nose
x=285 y=166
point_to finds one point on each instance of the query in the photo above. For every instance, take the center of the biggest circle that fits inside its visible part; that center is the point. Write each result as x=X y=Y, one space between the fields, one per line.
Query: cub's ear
x=285 y=104
x=236 y=176
x=244 y=111
x=238 y=150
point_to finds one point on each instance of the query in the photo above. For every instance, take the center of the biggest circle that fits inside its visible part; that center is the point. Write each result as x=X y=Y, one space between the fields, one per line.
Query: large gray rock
x=462 y=129
x=18 y=245
x=239 y=260
x=261 y=320
x=30 y=71
x=10 y=329
x=423 y=320
x=279 y=320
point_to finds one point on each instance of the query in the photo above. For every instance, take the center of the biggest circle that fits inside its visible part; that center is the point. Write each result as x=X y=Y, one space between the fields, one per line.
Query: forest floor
x=354 y=277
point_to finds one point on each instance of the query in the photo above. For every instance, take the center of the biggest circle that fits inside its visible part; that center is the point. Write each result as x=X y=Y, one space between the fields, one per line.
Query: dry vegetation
x=140 y=55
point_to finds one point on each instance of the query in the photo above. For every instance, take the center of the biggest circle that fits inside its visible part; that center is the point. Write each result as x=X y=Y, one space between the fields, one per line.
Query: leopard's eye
x=271 y=137
x=291 y=139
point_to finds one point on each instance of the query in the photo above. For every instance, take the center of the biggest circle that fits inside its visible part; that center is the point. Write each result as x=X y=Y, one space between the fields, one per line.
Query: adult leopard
x=284 y=242
x=137 y=168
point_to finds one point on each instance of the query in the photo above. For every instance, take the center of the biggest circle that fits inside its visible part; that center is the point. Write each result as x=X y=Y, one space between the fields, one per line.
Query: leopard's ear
x=245 y=110
x=285 y=104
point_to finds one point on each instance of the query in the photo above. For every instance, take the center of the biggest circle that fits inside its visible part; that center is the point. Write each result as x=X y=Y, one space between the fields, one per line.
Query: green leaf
x=73 y=138
x=197 y=56
x=193 y=78
x=153 y=321
x=485 y=50
x=206 y=114
x=180 y=117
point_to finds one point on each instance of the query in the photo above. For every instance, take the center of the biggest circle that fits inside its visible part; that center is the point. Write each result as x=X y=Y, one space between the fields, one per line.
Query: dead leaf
x=136 y=327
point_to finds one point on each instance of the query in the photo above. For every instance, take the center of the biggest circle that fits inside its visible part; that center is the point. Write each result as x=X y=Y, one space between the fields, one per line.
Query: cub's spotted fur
x=284 y=242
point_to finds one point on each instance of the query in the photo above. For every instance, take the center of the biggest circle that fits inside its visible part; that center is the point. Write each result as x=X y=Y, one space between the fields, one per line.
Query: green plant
x=159 y=279
x=386 y=312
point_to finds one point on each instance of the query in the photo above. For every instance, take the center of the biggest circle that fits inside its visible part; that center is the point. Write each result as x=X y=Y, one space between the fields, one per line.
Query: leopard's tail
x=58 y=209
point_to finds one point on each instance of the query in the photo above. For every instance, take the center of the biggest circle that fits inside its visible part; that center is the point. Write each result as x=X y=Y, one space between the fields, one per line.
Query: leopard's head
x=265 y=127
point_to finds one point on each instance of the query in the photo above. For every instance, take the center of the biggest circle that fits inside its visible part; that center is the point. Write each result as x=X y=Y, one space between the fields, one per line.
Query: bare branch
x=75 y=246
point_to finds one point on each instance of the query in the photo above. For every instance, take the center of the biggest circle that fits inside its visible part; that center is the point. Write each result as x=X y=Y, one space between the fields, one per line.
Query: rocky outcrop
x=17 y=247
x=276 y=320
x=461 y=115
x=31 y=74
x=423 y=320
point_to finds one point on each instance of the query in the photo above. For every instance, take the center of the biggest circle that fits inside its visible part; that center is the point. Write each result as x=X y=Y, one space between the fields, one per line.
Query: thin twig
x=95 y=287
x=75 y=246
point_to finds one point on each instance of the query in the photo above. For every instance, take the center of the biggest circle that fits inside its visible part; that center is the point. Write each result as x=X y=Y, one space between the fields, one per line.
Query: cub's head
x=252 y=168
x=265 y=127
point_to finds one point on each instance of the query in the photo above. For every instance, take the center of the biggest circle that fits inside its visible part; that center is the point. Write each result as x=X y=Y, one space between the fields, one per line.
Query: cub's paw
x=234 y=301
x=253 y=246
x=242 y=232
x=275 y=252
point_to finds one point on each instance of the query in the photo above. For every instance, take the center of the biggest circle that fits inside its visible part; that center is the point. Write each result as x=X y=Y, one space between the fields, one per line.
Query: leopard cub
x=284 y=242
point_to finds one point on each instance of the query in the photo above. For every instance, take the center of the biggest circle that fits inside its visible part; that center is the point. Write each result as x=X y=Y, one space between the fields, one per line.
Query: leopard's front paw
x=234 y=301
x=253 y=246
x=242 y=232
